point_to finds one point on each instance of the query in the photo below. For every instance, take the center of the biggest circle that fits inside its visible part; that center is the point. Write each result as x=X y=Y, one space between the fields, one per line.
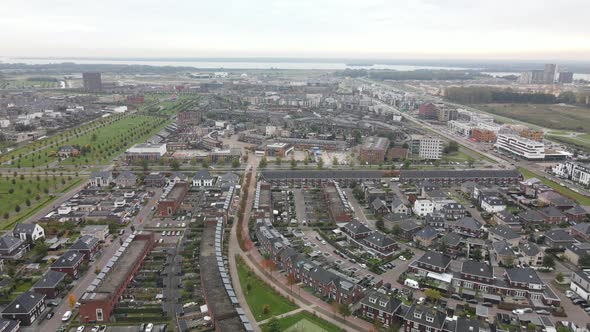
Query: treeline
x=418 y=75
x=485 y=95
x=42 y=79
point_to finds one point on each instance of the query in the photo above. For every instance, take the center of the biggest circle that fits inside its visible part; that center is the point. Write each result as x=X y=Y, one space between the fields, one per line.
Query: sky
x=424 y=29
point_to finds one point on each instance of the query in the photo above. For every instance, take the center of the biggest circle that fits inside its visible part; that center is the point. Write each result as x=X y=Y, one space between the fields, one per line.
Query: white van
x=412 y=283
x=66 y=316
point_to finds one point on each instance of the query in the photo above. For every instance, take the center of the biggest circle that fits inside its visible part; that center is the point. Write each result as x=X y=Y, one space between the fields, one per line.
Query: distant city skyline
x=425 y=29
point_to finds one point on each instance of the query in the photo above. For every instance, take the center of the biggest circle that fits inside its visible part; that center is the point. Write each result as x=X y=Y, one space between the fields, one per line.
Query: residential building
x=549 y=73
x=67 y=151
x=356 y=230
x=92 y=82
x=577 y=214
x=188 y=118
x=423 y=207
x=428 y=111
x=581 y=231
x=467 y=226
x=422 y=318
x=126 y=180
x=25 y=308
x=101 y=232
x=453 y=211
x=172 y=198
x=69 y=262
x=379 y=207
x=203 y=179
x=426 y=237
x=12 y=247
x=430 y=261
x=101 y=179
x=504 y=253
x=426 y=147
x=50 y=284
x=522 y=147
x=555 y=199
x=492 y=204
x=575 y=171
x=155 y=180
x=374 y=150
x=506 y=218
x=87 y=245
x=530 y=254
x=398 y=207
x=376 y=305
x=580 y=284
x=558 y=238
x=29 y=232
x=483 y=136
x=9 y=325
x=282 y=150
x=566 y=77
x=504 y=233
x=451 y=177
x=380 y=243
x=574 y=251
x=553 y=215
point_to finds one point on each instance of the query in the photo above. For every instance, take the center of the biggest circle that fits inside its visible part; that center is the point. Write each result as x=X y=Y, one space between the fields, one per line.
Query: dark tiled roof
x=7 y=242
x=435 y=259
x=532 y=216
x=24 y=228
x=468 y=223
x=391 y=306
x=24 y=303
x=477 y=269
x=85 y=242
x=502 y=248
x=452 y=239
x=577 y=210
x=583 y=228
x=504 y=232
x=529 y=249
x=68 y=259
x=523 y=275
x=427 y=233
x=559 y=235
x=423 y=312
x=319 y=174
x=202 y=175
x=356 y=227
x=379 y=239
x=50 y=279
x=551 y=212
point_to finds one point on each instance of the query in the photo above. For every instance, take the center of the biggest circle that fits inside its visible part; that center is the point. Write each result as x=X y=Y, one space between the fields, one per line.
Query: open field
x=24 y=195
x=258 y=295
x=557 y=117
x=105 y=142
x=572 y=140
x=581 y=199
x=303 y=321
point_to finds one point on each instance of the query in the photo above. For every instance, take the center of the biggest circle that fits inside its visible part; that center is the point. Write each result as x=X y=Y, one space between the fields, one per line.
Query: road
x=108 y=251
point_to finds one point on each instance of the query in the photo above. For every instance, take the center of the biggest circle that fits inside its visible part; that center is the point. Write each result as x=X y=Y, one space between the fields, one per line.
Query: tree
x=344 y=311
x=71 y=300
x=406 y=164
x=358 y=137
x=291 y=281
x=175 y=165
x=248 y=288
x=265 y=309
x=559 y=277
x=432 y=294
x=334 y=161
x=205 y=163
x=453 y=146
x=293 y=163
x=477 y=255
x=144 y=164
x=274 y=325
x=548 y=261
x=320 y=163
x=94 y=137
x=335 y=306
x=396 y=230
x=235 y=163
x=263 y=163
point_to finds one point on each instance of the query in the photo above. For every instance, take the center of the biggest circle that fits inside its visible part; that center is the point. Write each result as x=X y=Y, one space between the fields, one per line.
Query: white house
x=492 y=204
x=203 y=179
x=29 y=232
x=423 y=207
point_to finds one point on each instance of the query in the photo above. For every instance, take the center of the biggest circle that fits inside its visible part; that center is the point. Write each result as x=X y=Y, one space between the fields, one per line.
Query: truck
x=412 y=283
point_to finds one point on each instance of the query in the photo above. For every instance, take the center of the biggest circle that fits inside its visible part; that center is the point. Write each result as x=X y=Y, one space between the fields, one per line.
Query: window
x=383 y=303
x=99 y=315
x=372 y=299
x=418 y=315
x=468 y=285
x=429 y=318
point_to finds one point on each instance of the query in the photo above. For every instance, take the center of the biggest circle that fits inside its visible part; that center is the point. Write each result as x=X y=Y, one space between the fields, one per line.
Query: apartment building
x=373 y=152
x=577 y=172
x=522 y=147
x=426 y=147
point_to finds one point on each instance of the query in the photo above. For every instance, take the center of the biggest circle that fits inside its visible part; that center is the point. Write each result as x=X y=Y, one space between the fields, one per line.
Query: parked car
x=402 y=258
x=456 y=297
x=569 y=294
x=584 y=305
x=102 y=328
x=421 y=300
x=95 y=328
x=49 y=315
x=522 y=311
x=81 y=328
x=149 y=327
x=67 y=315
x=543 y=312
x=472 y=301
x=488 y=304
x=578 y=301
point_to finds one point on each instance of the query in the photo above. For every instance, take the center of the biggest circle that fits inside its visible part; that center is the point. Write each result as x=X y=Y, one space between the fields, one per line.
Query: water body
x=205 y=64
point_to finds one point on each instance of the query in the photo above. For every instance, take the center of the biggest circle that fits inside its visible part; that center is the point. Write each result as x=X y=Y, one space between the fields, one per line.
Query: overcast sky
x=525 y=29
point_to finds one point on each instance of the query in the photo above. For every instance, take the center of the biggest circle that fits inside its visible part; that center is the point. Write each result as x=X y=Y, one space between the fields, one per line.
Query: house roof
x=100 y=174
x=391 y=303
x=378 y=204
x=397 y=202
x=559 y=235
x=502 y=248
x=50 y=279
x=379 y=239
x=427 y=233
x=493 y=200
x=531 y=216
x=419 y=313
x=85 y=242
x=25 y=228
x=583 y=228
x=551 y=212
x=453 y=206
x=395 y=217
x=356 y=227
x=24 y=303
x=408 y=225
x=507 y=217
x=126 y=175
x=463 y=174
x=468 y=223
x=523 y=275
x=576 y=211
x=435 y=259
x=504 y=232
x=477 y=269
x=8 y=325
x=202 y=175
x=9 y=241
x=556 y=199
x=529 y=249
x=68 y=259
x=179 y=175
x=452 y=239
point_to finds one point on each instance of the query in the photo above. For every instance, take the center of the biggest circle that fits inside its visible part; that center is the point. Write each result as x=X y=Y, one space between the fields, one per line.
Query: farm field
x=24 y=195
x=104 y=142
x=259 y=295
x=557 y=117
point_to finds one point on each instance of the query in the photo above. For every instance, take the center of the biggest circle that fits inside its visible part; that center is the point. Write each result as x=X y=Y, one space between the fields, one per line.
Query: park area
x=23 y=195
x=264 y=302
x=302 y=321
x=552 y=116
x=97 y=144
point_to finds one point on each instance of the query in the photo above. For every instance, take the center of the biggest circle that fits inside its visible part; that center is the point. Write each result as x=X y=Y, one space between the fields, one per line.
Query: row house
x=581 y=231
x=504 y=233
x=356 y=230
x=69 y=263
x=431 y=261
x=382 y=244
x=453 y=243
x=577 y=214
x=530 y=254
x=87 y=245
x=492 y=204
x=467 y=226
x=436 y=221
x=506 y=218
x=558 y=238
x=398 y=206
x=453 y=211
x=553 y=215
x=377 y=305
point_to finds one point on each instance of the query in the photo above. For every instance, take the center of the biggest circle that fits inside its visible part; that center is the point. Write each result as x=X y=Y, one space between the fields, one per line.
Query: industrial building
x=146 y=151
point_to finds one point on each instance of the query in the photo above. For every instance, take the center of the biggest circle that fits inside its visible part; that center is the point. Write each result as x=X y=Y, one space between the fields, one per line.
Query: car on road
x=149 y=327
x=67 y=315
x=95 y=328
x=543 y=312
x=578 y=301
x=472 y=301
x=421 y=300
x=324 y=242
x=402 y=258
x=584 y=305
x=102 y=328
x=49 y=315
x=81 y=328
x=522 y=311
x=456 y=297
x=364 y=266
x=488 y=304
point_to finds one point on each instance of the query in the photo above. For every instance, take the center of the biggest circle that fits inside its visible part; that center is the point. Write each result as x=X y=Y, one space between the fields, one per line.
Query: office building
x=549 y=73
x=532 y=77
x=146 y=151
x=520 y=146
x=566 y=77
x=92 y=82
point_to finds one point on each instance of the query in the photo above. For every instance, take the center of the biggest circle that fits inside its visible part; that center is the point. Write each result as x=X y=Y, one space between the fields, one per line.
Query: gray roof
x=529 y=249
x=379 y=239
x=50 y=279
x=559 y=235
x=100 y=174
x=452 y=239
x=85 y=242
x=477 y=269
x=502 y=248
x=427 y=233
x=126 y=175
x=551 y=211
x=24 y=303
x=7 y=242
x=507 y=217
x=24 y=228
x=68 y=259
x=464 y=174
x=577 y=210
x=532 y=216
x=356 y=227
x=7 y=325
x=408 y=225
x=435 y=259
x=504 y=232
x=523 y=275
x=583 y=228
x=202 y=175
x=320 y=174
x=391 y=306
x=426 y=311
x=468 y=223
x=378 y=203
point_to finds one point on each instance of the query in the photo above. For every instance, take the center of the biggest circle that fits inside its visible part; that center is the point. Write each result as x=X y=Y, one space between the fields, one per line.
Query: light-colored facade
x=576 y=172
x=523 y=147
x=426 y=147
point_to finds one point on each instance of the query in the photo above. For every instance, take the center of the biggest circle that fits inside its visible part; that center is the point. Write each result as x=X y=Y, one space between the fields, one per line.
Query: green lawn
x=303 y=321
x=458 y=156
x=105 y=142
x=260 y=294
x=581 y=199
x=38 y=193
x=572 y=140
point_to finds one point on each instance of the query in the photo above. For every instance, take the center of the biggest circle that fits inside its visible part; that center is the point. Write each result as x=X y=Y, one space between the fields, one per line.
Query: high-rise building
x=549 y=73
x=566 y=77
x=532 y=77
x=426 y=147
x=92 y=82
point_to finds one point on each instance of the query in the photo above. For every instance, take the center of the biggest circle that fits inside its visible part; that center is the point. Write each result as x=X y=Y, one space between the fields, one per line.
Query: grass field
x=37 y=191
x=549 y=116
x=260 y=294
x=458 y=156
x=105 y=142
x=571 y=140
x=303 y=321
x=581 y=199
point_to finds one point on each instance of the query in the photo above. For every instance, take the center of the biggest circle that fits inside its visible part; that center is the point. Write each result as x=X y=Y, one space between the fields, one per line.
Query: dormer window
x=429 y=318
x=383 y=303
x=417 y=314
x=372 y=299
